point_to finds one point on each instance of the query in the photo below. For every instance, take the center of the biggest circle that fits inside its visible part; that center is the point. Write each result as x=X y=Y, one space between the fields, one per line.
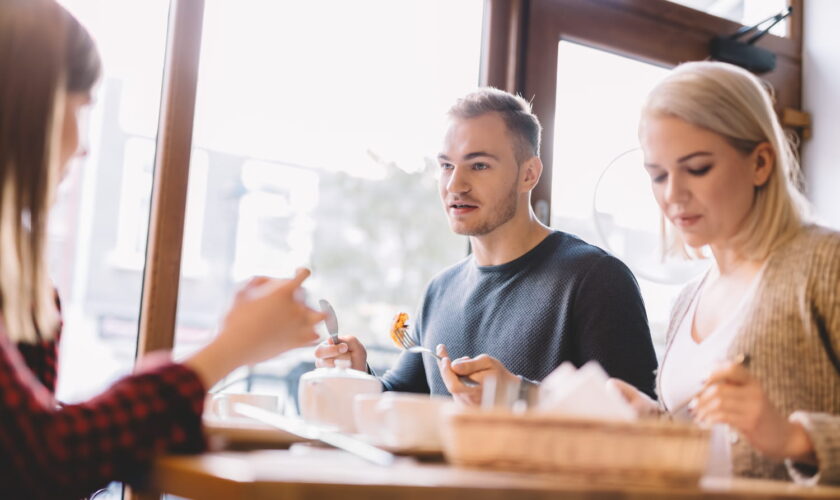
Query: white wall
x=821 y=98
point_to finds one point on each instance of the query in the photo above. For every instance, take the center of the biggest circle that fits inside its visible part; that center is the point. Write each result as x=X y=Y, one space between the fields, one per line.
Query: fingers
x=330 y=362
x=442 y=351
x=627 y=391
x=281 y=285
x=729 y=372
x=246 y=288
x=326 y=353
x=738 y=406
x=469 y=396
x=300 y=276
x=712 y=395
x=314 y=317
x=349 y=347
x=729 y=383
x=449 y=377
x=327 y=349
x=468 y=366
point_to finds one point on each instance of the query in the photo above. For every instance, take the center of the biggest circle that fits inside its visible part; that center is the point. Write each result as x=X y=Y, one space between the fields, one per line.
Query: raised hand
x=477 y=368
x=733 y=396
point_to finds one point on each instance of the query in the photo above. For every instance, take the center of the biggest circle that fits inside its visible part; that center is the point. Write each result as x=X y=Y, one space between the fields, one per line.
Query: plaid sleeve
x=50 y=452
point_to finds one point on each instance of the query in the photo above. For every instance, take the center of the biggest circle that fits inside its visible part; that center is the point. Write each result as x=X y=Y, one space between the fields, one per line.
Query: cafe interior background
x=314 y=136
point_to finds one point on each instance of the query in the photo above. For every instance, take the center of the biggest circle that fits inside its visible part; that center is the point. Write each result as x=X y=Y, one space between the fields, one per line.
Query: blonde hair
x=44 y=54
x=732 y=102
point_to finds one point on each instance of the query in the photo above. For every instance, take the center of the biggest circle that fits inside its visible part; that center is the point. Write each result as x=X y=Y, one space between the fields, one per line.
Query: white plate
x=240 y=431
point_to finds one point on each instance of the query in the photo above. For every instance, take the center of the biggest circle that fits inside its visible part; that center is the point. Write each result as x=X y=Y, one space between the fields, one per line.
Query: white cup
x=400 y=420
x=368 y=419
x=221 y=405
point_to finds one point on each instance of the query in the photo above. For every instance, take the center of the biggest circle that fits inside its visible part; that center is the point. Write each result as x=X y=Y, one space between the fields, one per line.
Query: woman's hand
x=641 y=402
x=734 y=397
x=266 y=318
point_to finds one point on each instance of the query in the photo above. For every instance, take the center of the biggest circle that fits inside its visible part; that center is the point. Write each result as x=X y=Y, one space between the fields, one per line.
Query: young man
x=528 y=298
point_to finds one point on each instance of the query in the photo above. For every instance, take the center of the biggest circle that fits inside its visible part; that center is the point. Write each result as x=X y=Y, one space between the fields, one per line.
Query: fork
x=405 y=341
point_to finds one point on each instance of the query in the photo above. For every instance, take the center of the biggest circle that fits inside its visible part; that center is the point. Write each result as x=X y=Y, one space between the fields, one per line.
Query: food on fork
x=398 y=328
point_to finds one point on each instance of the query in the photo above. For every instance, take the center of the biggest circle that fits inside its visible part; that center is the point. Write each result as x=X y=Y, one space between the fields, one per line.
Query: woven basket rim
x=641 y=426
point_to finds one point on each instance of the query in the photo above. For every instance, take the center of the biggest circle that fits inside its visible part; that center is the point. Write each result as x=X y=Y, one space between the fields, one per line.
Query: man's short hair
x=516 y=112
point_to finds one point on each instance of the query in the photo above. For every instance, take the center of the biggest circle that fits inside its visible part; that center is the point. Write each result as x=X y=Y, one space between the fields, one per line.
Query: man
x=528 y=298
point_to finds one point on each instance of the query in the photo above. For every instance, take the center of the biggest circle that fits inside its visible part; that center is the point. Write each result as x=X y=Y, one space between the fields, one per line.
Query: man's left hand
x=478 y=369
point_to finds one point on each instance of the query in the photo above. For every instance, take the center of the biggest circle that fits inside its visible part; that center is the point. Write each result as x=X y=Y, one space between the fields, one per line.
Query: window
x=96 y=261
x=320 y=137
x=600 y=190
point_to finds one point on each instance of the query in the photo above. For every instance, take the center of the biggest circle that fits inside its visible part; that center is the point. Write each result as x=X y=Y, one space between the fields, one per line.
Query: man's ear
x=529 y=173
x=764 y=161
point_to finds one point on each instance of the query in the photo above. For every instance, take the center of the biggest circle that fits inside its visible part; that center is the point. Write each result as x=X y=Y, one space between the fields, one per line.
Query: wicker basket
x=642 y=452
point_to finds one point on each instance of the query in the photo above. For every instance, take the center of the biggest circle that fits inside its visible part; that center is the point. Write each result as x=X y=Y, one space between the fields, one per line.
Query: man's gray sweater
x=564 y=300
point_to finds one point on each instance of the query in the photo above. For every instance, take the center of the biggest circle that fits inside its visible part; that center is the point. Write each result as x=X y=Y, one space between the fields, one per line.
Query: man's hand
x=477 y=368
x=349 y=347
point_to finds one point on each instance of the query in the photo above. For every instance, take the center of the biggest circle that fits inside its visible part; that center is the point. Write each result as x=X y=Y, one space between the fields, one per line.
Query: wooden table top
x=307 y=472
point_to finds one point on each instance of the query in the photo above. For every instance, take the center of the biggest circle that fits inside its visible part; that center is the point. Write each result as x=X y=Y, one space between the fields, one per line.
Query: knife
x=308 y=431
x=331 y=321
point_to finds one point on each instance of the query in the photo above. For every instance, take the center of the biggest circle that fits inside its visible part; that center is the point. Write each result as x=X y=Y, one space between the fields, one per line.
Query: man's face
x=479 y=175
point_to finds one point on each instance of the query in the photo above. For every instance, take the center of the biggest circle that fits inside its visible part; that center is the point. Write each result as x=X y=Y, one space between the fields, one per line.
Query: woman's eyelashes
x=698 y=172
x=659 y=178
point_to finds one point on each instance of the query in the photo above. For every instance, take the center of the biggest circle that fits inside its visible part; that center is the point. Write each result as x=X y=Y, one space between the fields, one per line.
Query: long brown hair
x=44 y=54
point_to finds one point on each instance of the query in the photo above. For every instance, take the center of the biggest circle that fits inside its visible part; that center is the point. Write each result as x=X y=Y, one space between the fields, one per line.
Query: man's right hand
x=349 y=347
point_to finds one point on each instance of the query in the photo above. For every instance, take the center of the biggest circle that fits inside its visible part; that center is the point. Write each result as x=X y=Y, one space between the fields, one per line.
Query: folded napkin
x=582 y=393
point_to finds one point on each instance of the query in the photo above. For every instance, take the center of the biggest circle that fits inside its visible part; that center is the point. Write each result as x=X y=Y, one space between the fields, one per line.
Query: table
x=307 y=472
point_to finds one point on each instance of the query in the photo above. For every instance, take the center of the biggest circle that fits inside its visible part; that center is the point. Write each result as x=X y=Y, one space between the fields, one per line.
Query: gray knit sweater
x=564 y=300
x=801 y=283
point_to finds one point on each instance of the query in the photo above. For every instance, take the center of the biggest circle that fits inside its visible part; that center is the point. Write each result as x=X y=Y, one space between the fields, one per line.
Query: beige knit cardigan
x=800 y=282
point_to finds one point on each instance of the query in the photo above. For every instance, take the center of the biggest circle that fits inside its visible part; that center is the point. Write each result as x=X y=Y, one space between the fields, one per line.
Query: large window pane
x=600 y=190
x=99 y=225
x=315 y=134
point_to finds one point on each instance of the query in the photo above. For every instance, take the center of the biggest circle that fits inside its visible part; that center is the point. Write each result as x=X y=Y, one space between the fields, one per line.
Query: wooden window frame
x=159 y=301
x=161 y=279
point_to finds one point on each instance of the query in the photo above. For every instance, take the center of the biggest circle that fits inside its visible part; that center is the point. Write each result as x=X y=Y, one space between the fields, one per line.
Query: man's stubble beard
x=502 y=213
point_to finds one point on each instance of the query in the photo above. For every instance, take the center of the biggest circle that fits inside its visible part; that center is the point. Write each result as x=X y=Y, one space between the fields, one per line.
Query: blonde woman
x=48 y=65
x=754 y=343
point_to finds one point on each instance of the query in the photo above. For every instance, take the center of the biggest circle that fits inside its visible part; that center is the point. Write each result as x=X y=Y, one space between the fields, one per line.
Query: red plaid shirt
x=47 y=451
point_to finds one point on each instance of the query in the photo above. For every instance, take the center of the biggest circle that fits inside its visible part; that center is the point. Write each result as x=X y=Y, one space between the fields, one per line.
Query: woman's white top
x=688 y=363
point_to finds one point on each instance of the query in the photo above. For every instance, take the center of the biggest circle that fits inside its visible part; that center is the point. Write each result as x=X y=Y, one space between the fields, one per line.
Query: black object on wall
x=745 y=53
